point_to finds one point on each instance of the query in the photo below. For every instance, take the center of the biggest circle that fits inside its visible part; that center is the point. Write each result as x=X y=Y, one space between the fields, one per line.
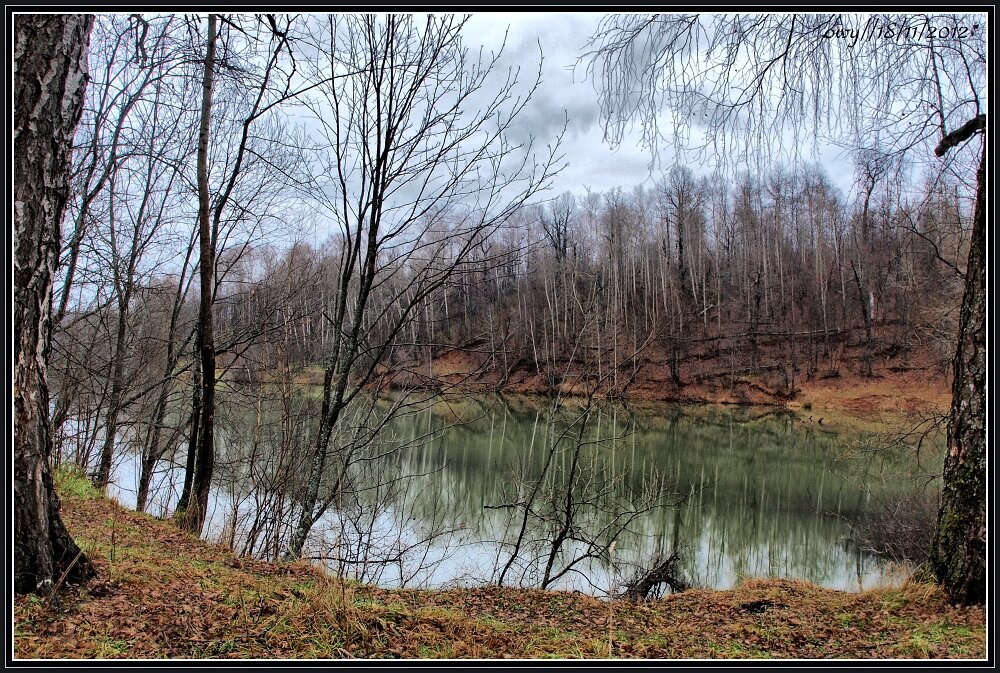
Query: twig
x=611 y=597
x=62 y=578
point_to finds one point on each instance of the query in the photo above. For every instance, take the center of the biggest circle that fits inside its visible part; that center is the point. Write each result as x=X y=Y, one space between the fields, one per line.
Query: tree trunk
x=117 y=390
x=153 y=451
x=755 y=320
x=49 y=82
x=958 y=554
x=146 y=467
x=203 y=442
x=865 y=306
x=192 y=452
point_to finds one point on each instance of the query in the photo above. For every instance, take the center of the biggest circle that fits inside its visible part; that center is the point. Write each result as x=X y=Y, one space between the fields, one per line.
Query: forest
x=282 y=236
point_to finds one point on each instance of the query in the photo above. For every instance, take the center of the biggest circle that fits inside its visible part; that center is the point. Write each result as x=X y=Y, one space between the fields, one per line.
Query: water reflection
x=748 y=493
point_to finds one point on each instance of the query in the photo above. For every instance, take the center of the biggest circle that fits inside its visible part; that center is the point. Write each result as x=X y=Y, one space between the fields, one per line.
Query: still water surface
x=745 y=492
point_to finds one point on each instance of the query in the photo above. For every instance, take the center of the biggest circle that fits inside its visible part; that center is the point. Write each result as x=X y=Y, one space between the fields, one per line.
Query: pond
x=531 y=492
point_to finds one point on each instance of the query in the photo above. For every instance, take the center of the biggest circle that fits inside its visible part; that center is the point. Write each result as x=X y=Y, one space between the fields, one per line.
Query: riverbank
x=921 y=386
x=161 y=592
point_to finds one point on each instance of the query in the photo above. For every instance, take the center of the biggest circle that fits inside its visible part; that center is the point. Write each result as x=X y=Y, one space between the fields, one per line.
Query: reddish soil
x=704 y=379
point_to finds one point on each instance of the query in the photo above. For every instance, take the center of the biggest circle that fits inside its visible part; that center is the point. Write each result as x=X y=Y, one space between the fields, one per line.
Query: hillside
x=916 y=384
x=163 y=593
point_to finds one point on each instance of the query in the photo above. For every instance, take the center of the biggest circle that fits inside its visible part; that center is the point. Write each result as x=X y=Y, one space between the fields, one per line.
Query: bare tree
x=419 y=171
x=50 y=75
x=201 y=454
x=556 y=220
x=573 y=510
x=228 y=200
x=141 y=192
x=131 y=56
x=121 y=330
x=752 y=81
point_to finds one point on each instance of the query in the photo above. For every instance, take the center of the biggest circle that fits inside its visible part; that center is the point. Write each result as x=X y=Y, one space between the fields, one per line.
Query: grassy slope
x=163 y=593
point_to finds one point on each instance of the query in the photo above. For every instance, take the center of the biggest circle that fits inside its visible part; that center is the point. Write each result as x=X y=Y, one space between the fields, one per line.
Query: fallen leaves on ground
x=161 y=592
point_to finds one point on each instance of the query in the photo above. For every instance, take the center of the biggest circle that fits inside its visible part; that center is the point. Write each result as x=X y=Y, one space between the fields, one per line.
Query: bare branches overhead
x=753 y=88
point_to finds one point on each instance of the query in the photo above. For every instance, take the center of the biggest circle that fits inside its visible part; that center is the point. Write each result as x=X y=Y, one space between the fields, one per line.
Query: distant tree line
x=409 y=225
x=779 y=272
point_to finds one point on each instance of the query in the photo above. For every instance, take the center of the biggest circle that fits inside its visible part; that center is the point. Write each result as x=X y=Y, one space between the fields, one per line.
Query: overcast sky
x=592 y=163
x=562 y=37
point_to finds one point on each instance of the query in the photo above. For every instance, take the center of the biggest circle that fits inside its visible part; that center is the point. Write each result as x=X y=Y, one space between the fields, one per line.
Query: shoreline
x=161 y=592
x=888 y=390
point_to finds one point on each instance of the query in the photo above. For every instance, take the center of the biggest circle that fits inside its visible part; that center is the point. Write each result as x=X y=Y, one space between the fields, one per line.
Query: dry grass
x=163 y=593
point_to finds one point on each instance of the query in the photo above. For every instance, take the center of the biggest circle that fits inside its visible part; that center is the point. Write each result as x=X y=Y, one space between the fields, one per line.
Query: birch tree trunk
x=958 y=555
x=50 y=76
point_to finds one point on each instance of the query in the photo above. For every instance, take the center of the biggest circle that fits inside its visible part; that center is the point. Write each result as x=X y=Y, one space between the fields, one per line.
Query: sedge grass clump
x=71 y=482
